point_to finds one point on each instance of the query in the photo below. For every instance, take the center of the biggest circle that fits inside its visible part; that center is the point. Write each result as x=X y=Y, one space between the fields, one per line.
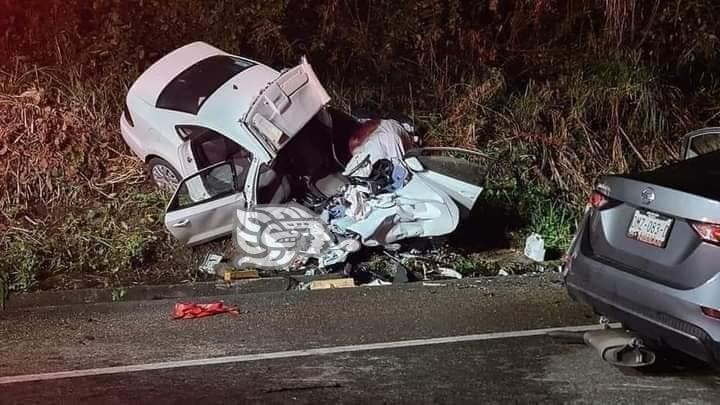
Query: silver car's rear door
x=700 y=142
x=204 y=203
x=458 y=172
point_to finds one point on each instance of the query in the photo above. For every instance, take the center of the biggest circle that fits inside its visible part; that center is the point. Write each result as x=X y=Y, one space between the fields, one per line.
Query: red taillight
x=711 y=312
x=598 y=200
x=708 y=232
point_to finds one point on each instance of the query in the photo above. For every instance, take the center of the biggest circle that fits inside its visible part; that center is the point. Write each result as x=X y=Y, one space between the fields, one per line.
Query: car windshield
x=189 y=90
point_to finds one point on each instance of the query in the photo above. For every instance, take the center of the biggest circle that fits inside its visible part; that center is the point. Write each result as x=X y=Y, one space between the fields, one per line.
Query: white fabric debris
x=339 y=252
x=356 y=196
x=385 y=142
x=413 y=211
x=382 y=201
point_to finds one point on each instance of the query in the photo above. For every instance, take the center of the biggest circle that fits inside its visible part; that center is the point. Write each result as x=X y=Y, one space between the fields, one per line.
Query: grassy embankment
x=558 y=92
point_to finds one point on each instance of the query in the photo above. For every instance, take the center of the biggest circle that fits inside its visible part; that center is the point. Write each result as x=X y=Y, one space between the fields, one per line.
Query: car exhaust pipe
x=619 y=348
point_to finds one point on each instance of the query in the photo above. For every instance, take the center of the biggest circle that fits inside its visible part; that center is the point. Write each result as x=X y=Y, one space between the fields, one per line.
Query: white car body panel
x=204 y=222
x=418 y=211
x=461 y=192
x=261 y=109
x=286 y=105
x=221 y=112
x=130 y=137
x=226 y=107
x=153 y=80
x=186 y=159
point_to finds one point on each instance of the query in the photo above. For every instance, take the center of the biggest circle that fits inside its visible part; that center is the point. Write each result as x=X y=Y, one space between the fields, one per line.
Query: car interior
x=209 y=148
x=705 y=144
x=308 y=168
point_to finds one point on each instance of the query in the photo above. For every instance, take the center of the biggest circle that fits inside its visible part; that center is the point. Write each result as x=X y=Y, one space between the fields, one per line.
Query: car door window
x=210 y=147
x=701 y=142
x=465 y=165
x=212 y=183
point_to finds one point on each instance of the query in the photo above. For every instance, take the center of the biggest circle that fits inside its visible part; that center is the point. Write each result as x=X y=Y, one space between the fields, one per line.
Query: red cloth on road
x=189 y=310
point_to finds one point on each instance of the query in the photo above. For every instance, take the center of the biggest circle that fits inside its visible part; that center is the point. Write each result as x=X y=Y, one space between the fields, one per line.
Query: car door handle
x=182 y=224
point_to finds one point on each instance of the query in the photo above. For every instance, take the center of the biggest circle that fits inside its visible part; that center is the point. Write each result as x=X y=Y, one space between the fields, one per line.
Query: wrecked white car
x=242 y=136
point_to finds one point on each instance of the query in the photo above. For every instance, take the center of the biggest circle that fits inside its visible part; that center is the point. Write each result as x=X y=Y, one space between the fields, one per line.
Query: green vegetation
x=94 y=247
x=118 y=294
x=558 y=91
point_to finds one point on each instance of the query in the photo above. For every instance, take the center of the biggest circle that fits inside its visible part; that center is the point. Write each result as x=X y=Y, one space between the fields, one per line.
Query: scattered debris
x=190 y=310
x=208 y=265
x=449 y=273
x=230 y=275
x=378 y=283
x=339 y=253
x=331 y=283
x=356 y=197
x=535 y=247
x=503 y=273
x=401 y=275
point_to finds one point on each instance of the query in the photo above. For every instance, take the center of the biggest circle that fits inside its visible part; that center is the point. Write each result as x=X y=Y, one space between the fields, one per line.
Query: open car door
x=286 y=105
x=204 y=203
x=458 y=172
x=700 y=142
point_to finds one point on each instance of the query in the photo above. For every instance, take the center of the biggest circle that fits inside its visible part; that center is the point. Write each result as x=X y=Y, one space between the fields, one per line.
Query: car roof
x=229 y=103
x=151 y=82
x=223 y=110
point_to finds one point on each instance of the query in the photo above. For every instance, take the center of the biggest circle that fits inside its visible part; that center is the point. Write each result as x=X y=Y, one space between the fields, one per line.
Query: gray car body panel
x=658 y=291
x=669 y=200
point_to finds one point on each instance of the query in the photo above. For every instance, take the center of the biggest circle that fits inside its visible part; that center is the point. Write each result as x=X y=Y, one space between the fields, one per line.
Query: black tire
x=163 y=174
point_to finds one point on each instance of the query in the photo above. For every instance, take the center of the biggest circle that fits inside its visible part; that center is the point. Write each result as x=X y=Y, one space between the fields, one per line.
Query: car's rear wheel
x=163 y=174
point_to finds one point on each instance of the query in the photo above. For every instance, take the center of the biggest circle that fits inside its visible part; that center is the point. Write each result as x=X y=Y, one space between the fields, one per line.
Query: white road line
x=288 y=354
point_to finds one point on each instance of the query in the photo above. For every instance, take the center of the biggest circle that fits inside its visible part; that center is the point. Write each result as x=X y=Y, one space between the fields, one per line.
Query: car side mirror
x=414 y=164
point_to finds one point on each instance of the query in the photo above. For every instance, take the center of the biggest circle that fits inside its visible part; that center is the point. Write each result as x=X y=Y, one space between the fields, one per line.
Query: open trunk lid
x=283 y=108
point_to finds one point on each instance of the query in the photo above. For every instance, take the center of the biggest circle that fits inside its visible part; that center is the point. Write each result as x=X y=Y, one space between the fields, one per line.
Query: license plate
x=650 y=227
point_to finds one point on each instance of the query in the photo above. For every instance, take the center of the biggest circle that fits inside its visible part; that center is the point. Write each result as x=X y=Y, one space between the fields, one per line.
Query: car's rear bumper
x=656 y=312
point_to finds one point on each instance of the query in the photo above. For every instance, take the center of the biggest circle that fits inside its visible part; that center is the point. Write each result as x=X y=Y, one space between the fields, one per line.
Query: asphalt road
x=489 y=370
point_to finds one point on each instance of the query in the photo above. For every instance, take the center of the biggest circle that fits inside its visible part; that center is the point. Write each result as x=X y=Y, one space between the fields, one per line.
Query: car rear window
x=189 y=90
